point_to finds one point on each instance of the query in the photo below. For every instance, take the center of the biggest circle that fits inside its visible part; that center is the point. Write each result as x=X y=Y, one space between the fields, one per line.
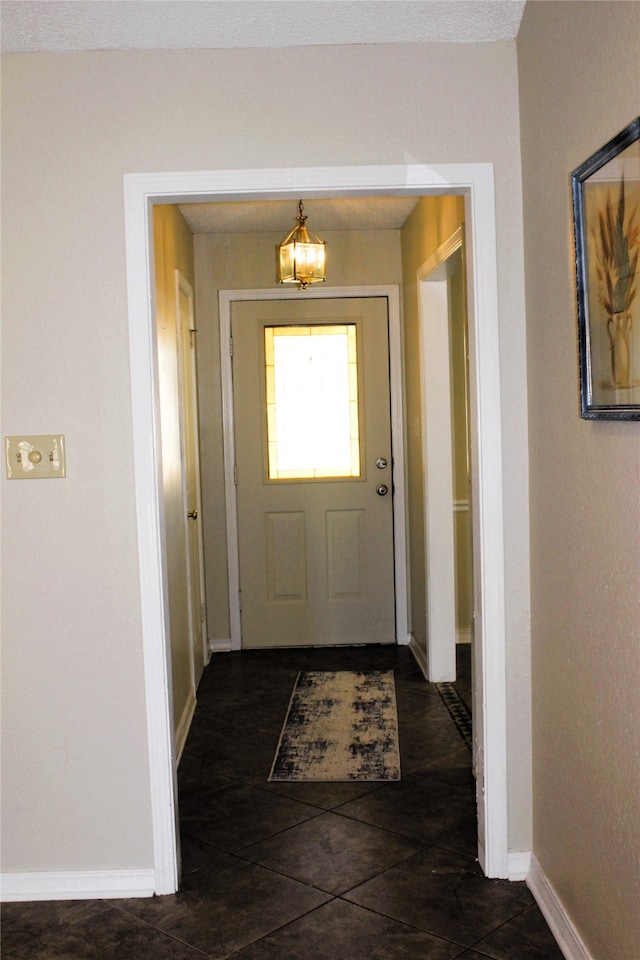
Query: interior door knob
x=192 y=514
x=382 y=489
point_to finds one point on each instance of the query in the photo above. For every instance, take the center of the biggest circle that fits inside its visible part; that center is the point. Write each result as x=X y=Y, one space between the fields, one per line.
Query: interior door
x=315 y=498
x=191 y=467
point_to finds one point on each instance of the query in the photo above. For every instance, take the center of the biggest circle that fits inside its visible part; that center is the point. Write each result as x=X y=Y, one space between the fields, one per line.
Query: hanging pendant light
x=300 y=258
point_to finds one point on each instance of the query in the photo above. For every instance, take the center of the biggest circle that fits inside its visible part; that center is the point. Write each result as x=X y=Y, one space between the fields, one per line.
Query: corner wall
x=433 y=221
x=173 y=250
x=579 y=68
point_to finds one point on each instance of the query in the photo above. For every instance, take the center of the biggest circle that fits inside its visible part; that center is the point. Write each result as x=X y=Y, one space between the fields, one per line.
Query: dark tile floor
x=334 y=871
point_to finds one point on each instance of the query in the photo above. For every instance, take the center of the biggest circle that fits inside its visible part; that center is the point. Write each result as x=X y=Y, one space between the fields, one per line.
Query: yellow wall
x=582 y=61
x=173 y=250
x=460 y=448
x=433 y=221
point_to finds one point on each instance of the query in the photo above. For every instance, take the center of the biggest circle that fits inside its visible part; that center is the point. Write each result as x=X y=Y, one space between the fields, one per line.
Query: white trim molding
x=519 y=864
x=437 y=459
x=392 y=295
x=560 y=923
x=77 y=885
x=150 y=516
x=420 y=655
x=475 y=181
x=220 y=646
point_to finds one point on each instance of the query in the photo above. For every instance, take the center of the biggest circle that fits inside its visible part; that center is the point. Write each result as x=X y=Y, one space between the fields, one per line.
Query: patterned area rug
x=341 y=725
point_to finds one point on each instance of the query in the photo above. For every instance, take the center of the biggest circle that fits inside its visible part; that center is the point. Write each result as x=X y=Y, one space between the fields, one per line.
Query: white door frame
x=392 y=295
x=437 y=456
x=476 y=182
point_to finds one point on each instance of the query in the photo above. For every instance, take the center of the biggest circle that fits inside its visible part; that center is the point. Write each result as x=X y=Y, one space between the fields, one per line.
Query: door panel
x=286 y=552
x=346 y=555
x=316 y=555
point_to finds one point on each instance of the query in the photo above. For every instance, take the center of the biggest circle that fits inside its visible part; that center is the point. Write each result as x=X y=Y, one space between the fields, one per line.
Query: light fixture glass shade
x=300 y=258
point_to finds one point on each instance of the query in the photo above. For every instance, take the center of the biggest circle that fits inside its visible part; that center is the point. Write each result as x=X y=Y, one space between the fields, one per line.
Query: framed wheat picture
x=606 y=215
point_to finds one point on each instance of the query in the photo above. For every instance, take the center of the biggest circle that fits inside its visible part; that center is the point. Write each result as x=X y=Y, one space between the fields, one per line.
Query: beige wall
x=580 y=85
x=247 y=261
x=173 y=250
x=76 y=789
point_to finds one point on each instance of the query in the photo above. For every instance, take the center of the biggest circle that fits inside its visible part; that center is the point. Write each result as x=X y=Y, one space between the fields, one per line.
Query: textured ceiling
x=55 y=25
x=363 y=213
x=40 y=25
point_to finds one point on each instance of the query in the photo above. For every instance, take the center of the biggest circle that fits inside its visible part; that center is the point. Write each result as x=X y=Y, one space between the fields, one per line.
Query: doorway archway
x=475 y=182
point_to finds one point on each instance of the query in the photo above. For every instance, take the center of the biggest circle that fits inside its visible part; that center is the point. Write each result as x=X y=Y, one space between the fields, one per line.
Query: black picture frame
x=606 y=220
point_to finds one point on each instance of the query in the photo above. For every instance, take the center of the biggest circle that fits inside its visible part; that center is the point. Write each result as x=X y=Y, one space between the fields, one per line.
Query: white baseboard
x=560 y=923
x=185 y=723
x=220 y=646
x=77 y=885
x=419 y=655
x=518 y=864
x=421 y=659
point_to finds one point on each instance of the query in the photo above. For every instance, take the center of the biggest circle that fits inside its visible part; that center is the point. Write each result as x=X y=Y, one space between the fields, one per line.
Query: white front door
x=314 y=471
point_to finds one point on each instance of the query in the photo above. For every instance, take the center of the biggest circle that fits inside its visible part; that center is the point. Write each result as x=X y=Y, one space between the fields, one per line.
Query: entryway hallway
x=333 y=871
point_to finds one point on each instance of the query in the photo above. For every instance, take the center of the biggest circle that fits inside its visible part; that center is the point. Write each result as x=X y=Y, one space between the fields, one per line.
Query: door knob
x=381 y=463
x=192 y=514
x=382 y=489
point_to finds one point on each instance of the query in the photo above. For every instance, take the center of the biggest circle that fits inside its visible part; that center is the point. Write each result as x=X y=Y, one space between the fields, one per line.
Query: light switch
x=36 y=457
